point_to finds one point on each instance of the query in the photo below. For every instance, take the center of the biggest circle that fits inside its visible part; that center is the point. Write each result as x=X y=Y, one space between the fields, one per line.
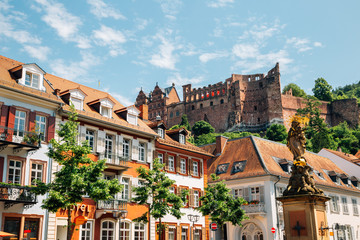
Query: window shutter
x=177 y=163
x=32 y=118
x=166 y=161
x=191 y=167
x=119 y=145
x=101 y=141
x=50 y=129
x=11 y=122
x=191 y=198
x=149 y=152
x=261 y=189
x=178 y=191
x=246 y=194
x=166 y=232
x=135 y=149
x=202 y=193
x=130 y=189
x=201 y=168
x=156 y=155
x=2 y=167
x=4 y=115
x=203 y=233
x=82 y=133
x=178 y=232
x=118 y=195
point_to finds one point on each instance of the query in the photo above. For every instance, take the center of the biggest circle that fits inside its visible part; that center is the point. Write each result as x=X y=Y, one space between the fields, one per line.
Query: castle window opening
x=257 y=78
x=177 y=113
x=201 y=105
x=202 y=95
x=249 y=79
x=255 y=108
x=261 y=85
x=218 y=92
x=207 y=94
x=158 y=104
x=192 y=107
x=258 y=119
x=222 y=101
x=223 y=90
x=162 y=113
x=150 y=115
x=212 y=93
x=211 y=103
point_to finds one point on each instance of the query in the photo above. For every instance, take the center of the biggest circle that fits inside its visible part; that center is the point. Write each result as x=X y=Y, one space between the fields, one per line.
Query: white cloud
x=205 y=57
x=65 y=24
x=141 y=24
x=179 y=80
x=123 y=100
x=101 y=10
x=165 y=57
x=220 y=3
x=170 y=8
x=106 y=36
x=301 y=44
x=245 y=51
x=38 y=52
x=75 y=71
x=318 y=44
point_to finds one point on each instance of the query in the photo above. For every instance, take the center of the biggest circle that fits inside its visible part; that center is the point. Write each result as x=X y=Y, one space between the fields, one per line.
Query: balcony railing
x=112 y=204
x=11 y=194
x=114 y=159
x=254 y=208
x=19 y=138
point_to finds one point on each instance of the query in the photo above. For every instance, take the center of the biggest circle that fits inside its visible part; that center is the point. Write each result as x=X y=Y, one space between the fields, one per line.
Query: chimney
x=57 y=92
x=220 y=144
x=144 y=111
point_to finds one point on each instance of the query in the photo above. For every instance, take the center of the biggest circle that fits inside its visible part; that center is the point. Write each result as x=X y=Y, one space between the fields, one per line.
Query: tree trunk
x=160 y=229
x=224 y=231
x=69 y=225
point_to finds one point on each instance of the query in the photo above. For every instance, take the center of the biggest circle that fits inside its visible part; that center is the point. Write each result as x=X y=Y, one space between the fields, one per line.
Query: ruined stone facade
x=242 y=103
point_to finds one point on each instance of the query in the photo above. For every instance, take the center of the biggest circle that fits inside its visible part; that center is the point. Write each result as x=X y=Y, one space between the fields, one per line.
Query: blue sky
x=128 y=44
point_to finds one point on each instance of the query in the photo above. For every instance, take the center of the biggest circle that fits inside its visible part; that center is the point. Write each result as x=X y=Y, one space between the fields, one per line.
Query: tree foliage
x=211 y=137
x=185 y=122
x=202 y=127
x=79 y=175
x=322 y=90
x=296 y=90
x=155 y=192
x=220 y=205
x=276 y=132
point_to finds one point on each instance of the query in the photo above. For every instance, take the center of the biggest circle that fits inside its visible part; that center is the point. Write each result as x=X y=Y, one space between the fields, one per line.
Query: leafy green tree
x=322 y=90
x=211 y=137
x=175 y=127
x=155 y=189
x=202 y=127
x=296 y=90
x=185 y=122
x=79 y=175
x=220 y=205
x=276 y=132
x=347 y=139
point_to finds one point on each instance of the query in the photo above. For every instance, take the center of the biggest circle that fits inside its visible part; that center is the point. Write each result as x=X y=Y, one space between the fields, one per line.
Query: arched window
x=222 y=101
x=125 y=230
x=251 y=231
x=107 y=230
x=192 y=107
x=201 y=105
x=171 y=114
x=211 y=103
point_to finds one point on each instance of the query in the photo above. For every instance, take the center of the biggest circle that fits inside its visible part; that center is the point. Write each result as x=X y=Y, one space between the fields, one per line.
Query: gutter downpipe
x=277 y=211
x=47 y=194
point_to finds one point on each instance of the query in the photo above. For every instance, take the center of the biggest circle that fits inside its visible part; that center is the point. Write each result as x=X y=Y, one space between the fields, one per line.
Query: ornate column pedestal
x=305 y=217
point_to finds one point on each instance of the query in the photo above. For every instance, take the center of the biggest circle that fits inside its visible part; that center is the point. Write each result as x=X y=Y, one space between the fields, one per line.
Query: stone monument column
x=303 y=203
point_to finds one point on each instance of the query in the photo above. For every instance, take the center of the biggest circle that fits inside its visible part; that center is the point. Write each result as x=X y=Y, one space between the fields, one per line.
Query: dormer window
x=161 y=132
x=181 y=138
x=32 y=80
x=77 y=103
x=130 y=114
x=105 y=111
x=76 y=98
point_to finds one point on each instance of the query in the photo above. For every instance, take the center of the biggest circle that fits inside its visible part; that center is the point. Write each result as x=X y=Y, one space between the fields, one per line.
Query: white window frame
x=125 y=193
x=31 y=80
x=90 y=138
x=126 y=147
x=106 y=113
x=20 y=121
x=196 y=198
x=238 y=192
x=197 y=234
x=355 y=206
x=38 y=173
x=14 y=168
x=161 y=158
x=184 y=234
x=195 y=167
x=344 y=205
x=77 y=102
x=161 y=132
x=172 y=189
x=122 y=230
x=142 y=155
x=172 y=230
x=255 y=193
x=41 y=126
x=181 y=138
x=107 y=230
x=87 y=231
x=183 y=165
x=109 y=140
x=171 y=161
x=334 y=205
x=141 y=230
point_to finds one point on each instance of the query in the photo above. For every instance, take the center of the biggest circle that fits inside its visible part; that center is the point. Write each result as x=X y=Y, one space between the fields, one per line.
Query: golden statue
x=296 y=139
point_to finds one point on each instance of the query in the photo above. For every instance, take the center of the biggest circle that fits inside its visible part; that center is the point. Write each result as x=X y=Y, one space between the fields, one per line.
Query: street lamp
x=193 y=219
x=121 y=215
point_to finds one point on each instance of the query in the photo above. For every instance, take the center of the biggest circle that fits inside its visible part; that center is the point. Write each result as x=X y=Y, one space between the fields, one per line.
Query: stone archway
x=251 y=231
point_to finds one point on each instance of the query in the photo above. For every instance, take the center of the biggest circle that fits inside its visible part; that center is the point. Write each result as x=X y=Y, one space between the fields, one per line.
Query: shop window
x=125 y=230
x=139 y=231
x=12 y=225
x=108 y=230
x=86 y=231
